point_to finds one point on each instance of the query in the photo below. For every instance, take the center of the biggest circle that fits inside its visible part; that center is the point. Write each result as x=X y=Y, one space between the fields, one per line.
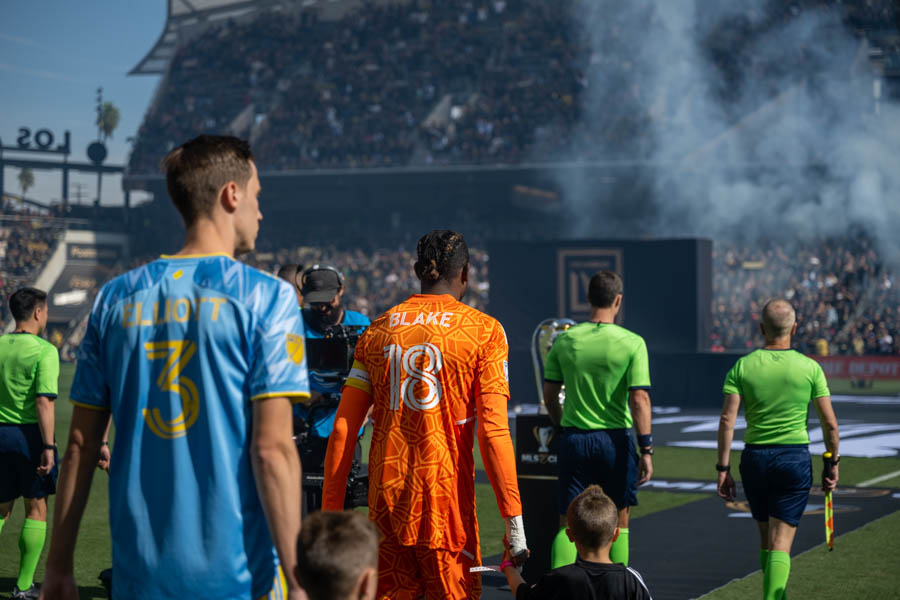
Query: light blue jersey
x=329 y=382
x=177 y=350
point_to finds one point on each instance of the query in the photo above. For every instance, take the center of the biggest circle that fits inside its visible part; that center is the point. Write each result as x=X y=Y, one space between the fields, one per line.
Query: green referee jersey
x=29 y=367
x=776 y=387
x=598 y=363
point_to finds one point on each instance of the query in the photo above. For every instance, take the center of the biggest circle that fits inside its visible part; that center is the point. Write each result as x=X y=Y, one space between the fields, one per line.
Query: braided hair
x=441 y=254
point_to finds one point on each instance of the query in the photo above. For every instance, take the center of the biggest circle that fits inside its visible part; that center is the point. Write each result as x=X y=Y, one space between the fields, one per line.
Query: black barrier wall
x=667 y=300
x=691 y=380
x=536 y=451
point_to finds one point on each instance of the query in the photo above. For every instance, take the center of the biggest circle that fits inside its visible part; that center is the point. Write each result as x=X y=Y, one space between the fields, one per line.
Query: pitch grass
x=92 y=552
x=864 y=564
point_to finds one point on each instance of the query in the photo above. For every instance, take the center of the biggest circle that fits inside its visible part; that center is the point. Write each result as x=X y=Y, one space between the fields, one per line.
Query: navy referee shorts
x=777 y=479
x=21 y=447
x=605 y=457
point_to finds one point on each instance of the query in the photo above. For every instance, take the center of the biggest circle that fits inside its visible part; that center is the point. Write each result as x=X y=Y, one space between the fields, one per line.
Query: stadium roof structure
x=183 y=16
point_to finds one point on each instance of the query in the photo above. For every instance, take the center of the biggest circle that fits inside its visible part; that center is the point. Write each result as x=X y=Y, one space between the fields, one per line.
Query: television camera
x=331 y=357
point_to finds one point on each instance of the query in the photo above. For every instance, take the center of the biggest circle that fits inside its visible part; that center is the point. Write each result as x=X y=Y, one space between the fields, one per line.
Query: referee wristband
x=723 y=468
x=49 y=446
x=645 y=440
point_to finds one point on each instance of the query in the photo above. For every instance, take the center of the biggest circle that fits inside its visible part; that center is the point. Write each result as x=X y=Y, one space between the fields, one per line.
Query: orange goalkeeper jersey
x=431 y=365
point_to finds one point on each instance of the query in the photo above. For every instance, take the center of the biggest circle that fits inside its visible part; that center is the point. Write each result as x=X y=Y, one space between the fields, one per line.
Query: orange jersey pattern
x=425 y=362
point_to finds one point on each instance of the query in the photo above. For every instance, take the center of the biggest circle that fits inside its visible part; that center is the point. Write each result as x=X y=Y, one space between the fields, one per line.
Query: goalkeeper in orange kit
x=431 y=368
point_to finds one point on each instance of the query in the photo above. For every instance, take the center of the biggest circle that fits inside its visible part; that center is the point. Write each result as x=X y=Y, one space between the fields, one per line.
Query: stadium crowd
x=846 y=297
x=25 y=245
x=456 y=82
x=377 y=279
x=365 y=90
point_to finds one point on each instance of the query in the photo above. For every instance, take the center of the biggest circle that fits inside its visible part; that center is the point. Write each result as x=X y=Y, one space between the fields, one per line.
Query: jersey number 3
x=177 y=353
x=405 y=374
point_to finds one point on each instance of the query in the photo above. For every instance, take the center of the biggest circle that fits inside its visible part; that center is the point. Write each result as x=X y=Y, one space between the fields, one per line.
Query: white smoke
x=791 y=147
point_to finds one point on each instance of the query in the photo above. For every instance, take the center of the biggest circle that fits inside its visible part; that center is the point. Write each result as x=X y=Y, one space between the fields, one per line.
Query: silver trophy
x=543 y=435
x=541 y=341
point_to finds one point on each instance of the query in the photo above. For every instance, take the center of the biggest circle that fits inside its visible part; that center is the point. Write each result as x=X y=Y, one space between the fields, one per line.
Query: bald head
x=778 y=318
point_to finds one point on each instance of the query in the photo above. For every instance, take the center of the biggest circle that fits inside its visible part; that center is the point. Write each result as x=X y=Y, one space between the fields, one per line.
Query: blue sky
x=54 y=54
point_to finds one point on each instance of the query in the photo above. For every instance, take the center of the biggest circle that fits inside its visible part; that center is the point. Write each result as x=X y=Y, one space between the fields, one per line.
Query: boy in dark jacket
x=591 y=524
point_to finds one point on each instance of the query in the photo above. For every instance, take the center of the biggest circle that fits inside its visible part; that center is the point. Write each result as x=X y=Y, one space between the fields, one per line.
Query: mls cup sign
x=536 y=445
x=575 y=267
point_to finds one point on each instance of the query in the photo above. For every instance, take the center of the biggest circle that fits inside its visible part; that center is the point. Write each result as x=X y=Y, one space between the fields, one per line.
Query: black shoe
x=31 y=593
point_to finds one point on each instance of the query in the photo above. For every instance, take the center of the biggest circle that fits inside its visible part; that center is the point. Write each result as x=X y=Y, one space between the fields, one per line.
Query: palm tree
x=26 y=181
x=108 y=119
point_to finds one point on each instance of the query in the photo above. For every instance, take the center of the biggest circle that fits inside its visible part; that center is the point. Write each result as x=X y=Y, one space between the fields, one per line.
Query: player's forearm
x=105 y=437
x=725 y=437
x=551 y=401
x=276 y=467
x=74 y=486
x=338 y=461
x=830 y=437
x=44 y=406
x=497 y=453
x=727 y=420
x=351 y=414
x=641 y=412
x=829 y=423
x=499 y=460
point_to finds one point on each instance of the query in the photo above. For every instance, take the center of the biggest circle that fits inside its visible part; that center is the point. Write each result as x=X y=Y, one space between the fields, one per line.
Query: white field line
x=879 y=479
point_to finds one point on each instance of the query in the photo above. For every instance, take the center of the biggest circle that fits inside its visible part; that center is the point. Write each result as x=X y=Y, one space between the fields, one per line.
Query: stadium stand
x=845 y=286
x=26 y=242
x=375 y=279
x=843 y=290
x=421 y=83
x=394 y=84
x=375 y=87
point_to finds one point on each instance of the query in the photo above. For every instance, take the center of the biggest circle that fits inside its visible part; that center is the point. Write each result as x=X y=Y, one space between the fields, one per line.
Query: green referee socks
x=619 y=551
x=775 y=575
x=31 y=542
x=563 y=551
x=2 y=521
x=763 y=559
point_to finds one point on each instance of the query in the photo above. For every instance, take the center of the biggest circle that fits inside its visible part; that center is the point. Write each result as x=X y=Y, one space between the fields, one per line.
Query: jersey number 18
x=405 y=373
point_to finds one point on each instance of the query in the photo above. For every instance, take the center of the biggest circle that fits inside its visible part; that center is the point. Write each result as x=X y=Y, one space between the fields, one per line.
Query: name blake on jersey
x=178 y=310
x=438 y=319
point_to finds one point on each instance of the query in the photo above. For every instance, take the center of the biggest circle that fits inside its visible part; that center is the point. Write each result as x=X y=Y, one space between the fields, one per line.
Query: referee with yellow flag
x=776 y=385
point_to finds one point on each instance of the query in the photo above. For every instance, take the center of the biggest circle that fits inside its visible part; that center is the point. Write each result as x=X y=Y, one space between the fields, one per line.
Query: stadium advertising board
x=96 y=253
x=91 y=258
x=876 y=375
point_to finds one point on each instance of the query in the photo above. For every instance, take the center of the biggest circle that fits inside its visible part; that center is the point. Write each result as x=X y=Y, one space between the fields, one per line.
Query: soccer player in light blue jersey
x=198 y=358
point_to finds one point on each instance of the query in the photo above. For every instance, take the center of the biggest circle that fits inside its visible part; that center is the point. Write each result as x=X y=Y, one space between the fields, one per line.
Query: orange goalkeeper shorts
x=411 y=572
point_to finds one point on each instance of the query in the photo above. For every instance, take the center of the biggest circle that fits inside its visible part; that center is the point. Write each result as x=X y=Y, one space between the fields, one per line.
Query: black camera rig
x=331 y=355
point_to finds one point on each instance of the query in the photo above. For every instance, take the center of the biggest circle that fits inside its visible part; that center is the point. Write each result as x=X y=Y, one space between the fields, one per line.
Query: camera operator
x=331 y=334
